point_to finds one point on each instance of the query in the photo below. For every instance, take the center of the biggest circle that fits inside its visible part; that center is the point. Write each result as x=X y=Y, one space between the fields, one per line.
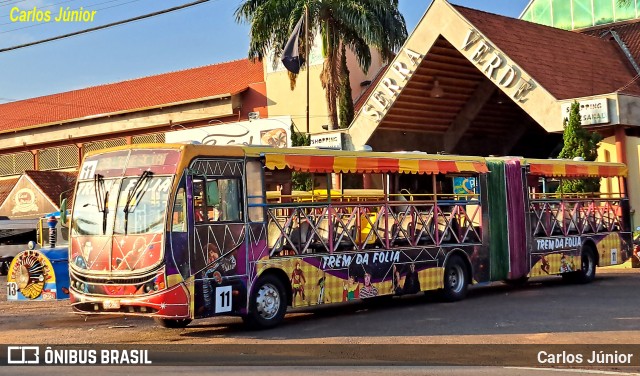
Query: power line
x=46 y=6
x=144 y=16
x=8 y=2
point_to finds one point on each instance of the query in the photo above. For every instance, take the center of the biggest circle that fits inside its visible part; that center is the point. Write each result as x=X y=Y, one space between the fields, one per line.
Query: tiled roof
x=567 y=64
x=153 y=91
x=54 y=183
x=629 y=32
x=5 y=188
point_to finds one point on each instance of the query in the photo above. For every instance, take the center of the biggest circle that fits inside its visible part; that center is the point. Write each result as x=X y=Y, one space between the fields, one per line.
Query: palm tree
x=357 y=24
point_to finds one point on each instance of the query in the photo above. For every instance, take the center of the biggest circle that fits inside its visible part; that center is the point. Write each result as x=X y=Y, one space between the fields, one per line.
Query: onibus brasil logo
x=32 y=355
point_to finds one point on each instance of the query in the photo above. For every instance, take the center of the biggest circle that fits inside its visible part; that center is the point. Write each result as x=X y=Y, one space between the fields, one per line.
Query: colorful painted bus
x=179 y=232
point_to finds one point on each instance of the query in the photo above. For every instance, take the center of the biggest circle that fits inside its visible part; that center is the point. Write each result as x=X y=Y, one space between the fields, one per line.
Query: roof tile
x=5 y=188
x=54 y=183
x=567 y=64
x=224 y=78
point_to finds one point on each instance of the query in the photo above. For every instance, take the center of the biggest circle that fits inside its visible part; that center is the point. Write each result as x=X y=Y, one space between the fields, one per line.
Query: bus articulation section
x=180 y=232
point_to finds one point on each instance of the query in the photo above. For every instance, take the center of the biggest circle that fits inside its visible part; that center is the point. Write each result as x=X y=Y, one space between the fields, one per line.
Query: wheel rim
x=268 y=301
x=456 y=278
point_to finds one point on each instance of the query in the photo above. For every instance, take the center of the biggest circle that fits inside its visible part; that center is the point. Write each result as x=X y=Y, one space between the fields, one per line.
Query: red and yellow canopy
x=375 y=164
x=575 y=169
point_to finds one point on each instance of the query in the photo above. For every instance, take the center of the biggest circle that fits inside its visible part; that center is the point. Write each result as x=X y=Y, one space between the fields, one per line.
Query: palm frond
x=356 y=24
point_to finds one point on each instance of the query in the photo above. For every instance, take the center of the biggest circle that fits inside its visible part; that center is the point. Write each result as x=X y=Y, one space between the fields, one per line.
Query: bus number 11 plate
x=223 y=299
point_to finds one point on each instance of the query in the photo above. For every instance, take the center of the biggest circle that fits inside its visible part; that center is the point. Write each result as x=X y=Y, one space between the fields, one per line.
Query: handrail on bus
x=582 y=195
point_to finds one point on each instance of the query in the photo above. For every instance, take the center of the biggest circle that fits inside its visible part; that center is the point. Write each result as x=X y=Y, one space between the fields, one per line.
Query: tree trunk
x=330 y=76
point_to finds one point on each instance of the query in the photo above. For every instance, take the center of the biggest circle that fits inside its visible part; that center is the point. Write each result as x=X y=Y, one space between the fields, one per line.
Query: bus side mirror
x=63 y=212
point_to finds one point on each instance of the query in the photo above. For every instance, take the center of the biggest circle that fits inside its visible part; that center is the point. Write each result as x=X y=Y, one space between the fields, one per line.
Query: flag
x=291 y=58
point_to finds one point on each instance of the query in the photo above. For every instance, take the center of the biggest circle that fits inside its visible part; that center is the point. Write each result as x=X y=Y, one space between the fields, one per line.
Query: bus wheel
x=587 y=272
x=455 y=279
x=268 y=303
x=170 y=323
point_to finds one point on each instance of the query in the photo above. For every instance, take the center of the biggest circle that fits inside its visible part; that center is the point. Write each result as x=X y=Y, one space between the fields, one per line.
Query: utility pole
x=306 y=47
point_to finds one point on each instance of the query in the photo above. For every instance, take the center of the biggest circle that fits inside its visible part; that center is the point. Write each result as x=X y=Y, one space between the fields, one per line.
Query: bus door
x=508 y=245
x=217 y=238
x=517 y=198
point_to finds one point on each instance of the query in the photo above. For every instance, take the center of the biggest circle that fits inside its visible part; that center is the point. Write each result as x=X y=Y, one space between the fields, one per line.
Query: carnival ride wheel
x=29 y=275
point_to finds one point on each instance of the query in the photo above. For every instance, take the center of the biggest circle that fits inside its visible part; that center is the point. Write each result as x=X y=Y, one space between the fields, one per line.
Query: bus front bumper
x=170 y=303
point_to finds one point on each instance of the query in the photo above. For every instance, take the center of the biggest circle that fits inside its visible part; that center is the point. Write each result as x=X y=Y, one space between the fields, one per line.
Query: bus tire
x=587 y=272
x=268 y=303
x=172 y=323
x=455 y=279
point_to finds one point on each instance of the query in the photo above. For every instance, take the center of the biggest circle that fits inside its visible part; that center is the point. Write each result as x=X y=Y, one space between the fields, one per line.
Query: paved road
x=545 y=313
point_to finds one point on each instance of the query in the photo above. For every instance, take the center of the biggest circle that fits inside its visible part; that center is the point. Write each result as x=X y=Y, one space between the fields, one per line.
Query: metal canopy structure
x=467 y=109
x=469 y=100
x=453 y=88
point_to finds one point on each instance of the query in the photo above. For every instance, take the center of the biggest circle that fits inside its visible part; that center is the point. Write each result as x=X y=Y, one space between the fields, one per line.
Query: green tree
x=345 y=100
x=300 y=181
x=358 y=24
x=579 y=142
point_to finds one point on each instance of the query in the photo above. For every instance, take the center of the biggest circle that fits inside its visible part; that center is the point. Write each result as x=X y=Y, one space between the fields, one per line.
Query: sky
x=201 y=35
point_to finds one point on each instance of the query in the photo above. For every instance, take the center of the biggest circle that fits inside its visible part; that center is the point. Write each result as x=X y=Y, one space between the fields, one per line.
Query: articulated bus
x=180 y=232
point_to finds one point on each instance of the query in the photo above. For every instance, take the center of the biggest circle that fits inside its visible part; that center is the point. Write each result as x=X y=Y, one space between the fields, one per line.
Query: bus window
x=232 y=202
x=213 y=200
x=199 y=201
x=224 y=200
x=255 y=197
x=179 y=217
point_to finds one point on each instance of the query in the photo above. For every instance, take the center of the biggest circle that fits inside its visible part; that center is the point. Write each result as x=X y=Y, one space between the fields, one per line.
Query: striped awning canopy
x=575 y=169
x=375 y=163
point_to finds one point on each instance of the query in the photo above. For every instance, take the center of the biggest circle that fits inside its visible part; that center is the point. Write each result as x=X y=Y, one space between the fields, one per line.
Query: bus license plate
x=111 y=304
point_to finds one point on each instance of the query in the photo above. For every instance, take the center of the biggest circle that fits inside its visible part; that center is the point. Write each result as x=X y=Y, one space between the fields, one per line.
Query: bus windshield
x=119 y=210
x=121 y=206
x=123 y=192
x=142 y=203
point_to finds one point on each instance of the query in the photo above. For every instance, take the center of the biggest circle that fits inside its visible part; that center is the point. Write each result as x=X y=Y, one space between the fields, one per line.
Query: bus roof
x=326 y=161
